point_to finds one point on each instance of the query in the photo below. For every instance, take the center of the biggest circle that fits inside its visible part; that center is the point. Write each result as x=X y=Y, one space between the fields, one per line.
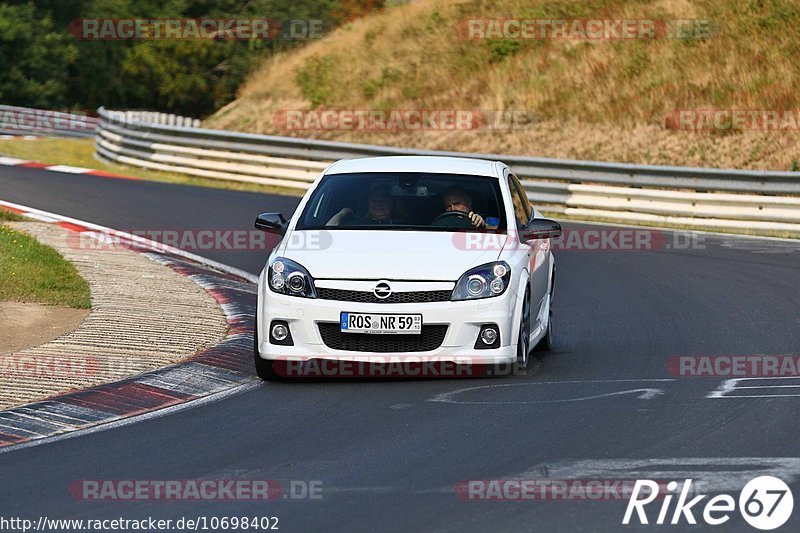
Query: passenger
x=380 y=210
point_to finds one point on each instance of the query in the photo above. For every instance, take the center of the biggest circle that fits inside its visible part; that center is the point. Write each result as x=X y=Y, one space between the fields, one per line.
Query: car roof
x=416 y=163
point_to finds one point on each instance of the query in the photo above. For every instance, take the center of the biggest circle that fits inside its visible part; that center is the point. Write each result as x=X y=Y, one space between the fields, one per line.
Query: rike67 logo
x=765 y=503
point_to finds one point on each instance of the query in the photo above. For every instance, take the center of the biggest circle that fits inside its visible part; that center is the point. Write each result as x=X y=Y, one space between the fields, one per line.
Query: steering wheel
x=454 y=219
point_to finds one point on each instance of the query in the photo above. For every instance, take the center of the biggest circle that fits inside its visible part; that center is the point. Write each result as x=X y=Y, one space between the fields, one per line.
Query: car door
x=536 y=250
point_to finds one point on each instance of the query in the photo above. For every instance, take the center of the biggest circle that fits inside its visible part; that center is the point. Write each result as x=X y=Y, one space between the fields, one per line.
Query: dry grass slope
x=603 y=100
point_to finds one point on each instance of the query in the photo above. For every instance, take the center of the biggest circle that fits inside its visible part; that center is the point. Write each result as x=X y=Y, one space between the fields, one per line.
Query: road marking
x=712 y=474
x=643 y=393
x=41 y=218
x=69 y=169
x=11 y=161
x=732 y=385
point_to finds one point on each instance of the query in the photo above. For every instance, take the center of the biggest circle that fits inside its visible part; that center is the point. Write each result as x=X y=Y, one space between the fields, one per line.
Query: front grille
x=430 y=338
x=394 y=298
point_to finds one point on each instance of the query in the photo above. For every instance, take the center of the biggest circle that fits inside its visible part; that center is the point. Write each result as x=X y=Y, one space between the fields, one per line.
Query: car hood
x=375 y=254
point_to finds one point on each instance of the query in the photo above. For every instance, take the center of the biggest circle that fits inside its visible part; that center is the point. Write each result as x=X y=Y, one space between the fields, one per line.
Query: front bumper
x=463 y=320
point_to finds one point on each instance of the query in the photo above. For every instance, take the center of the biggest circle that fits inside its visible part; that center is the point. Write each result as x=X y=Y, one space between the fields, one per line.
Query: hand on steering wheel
x=476 y=219
x=459 y=219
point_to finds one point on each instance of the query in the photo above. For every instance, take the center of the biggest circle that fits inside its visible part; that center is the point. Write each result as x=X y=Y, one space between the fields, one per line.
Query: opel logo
x=382 y=290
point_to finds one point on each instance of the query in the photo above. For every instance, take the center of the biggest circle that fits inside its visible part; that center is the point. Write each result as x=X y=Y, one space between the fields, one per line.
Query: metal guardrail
x=741 y=199
x=153 y=117
x=21 y=121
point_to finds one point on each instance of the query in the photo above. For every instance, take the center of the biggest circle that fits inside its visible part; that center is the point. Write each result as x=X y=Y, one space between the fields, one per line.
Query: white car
x=426 y=258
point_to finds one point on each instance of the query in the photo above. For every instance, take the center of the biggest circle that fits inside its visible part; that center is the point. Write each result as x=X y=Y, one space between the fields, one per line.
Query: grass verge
x=9 y=216
x=80 y=153
x=33 y=272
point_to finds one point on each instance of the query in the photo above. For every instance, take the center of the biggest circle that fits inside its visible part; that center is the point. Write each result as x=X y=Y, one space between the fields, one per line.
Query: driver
x=456 y=198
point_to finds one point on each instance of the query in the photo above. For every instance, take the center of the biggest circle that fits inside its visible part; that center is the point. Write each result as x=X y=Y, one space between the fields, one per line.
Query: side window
x=522 y=207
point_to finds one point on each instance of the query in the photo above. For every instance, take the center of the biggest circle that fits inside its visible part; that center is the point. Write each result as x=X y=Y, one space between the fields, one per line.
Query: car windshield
x=405 y=201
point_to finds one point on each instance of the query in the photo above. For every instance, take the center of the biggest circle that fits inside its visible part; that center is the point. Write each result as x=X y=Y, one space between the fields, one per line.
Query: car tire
x=547 y=343
x=523 y=346
x=520 y=366
x=264 y=369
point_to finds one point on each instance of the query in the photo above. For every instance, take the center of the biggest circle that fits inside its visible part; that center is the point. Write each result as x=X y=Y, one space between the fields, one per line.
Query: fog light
x=489 y=335
x=279 y=332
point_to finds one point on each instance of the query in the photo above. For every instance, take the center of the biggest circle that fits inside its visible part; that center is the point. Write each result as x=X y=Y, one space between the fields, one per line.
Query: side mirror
x=541 y=228
x=271 y=222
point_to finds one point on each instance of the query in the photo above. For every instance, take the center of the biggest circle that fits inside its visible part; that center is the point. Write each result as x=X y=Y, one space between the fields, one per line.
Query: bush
x=315 y=79
x=503 y=48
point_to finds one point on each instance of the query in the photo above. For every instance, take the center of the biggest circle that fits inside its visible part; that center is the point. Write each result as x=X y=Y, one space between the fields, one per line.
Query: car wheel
x=523 y=349
x=264 y=369
x=547 y=343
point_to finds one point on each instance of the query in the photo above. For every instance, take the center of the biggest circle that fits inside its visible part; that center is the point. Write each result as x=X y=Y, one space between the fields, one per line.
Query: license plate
x=380 y=323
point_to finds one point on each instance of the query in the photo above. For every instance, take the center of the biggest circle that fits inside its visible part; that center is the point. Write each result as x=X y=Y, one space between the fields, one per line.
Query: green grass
x=33 y=272
x=315 y=79
x=10 y=216
x=80 y=153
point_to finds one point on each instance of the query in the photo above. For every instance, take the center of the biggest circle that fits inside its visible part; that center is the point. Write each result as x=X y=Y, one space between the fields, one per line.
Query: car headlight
x=284 y=276
x=485 y=281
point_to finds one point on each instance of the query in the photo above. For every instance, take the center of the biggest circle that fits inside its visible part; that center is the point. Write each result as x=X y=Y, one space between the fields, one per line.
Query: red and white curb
x=14 y=162
x=211 y=374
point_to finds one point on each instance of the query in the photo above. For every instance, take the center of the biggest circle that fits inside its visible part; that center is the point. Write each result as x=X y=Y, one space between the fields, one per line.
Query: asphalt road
x=389 y=454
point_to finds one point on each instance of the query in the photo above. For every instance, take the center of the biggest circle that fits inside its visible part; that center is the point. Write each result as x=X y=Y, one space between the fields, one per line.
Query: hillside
x=603 y=99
